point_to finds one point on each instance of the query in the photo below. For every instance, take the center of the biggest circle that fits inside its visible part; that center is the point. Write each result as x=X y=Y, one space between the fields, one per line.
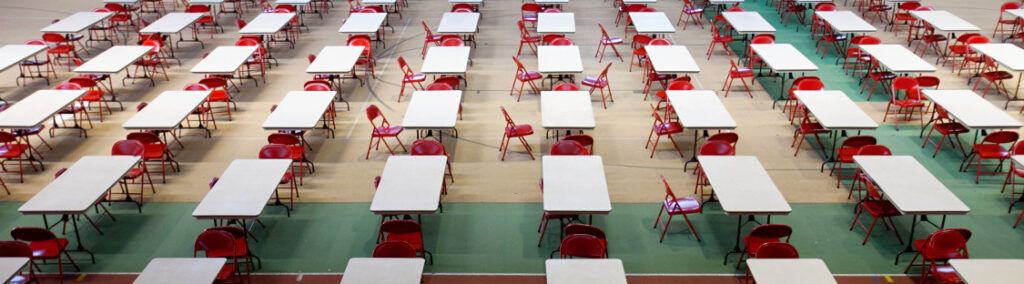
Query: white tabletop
x=575 y=185
x=84 y=183
x=945 y=21
x=1016 y=12
x=410 y=185
x=559 y=59
x=299 y=110
x=743 y=186
x=446 y=60
x=224 y=59
x=846 y=22
x=432 y=110
x=835 y=111
x=671 y=59
x=700 y=110
x=114 y=59
x=910 y=187
x=12 y=54
x=267 y=23
x=1009 y=55
x=380 y=270
x=783 y=57
x=652 y=23
x=9 y=266
x=972 y=110
x=897 y=58
x=77 y=22
x=988 y=271
x=171 y=23
x=166 y=111
x=335 y=60
x=180 y=270
x=243 y=189
x=790 y=271
x=363 y=23
x=585 y=271
x=459 y=23
x=566 y=110
x=37 y=108
x=556 y=23
x=748 y=22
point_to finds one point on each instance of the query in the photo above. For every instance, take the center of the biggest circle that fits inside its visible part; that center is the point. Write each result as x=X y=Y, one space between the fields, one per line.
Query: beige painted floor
x=344 y=176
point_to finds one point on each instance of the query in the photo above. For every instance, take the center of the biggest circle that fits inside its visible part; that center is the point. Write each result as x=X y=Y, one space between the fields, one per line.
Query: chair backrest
x=810 y=85
x=317 y=85
x=275 y=151
x=15 y=249
x=214 y=243
x=530 y=8
x=452 y=82
x=825 y=7
x=1008 y=6
x=568 y=148
x=904 y=83
x=928 y=81
x=32 y=234
x=945 y=242
x=762 y=39
x=679 y=85
x=213 y=182
x=604 y=73
x=453 y=41
x=127 y=148
x=508 y=119
x=404 y=66
x=145 y=137
x=427 y=147
x=777 y=250
x=1001 y=137
x=874 y=150
x=584 y=229
x=402 y=227
x=581 y=245
x=641 y=40
x=716 y=148
x=562 y=41
x=735 y=8
x=565 y=86
x=438 y=86
x=197 y=9
x=772 y=231
x=859 y=141
x=870 y=40
x=372 y=113
x=583 y=139
x=83 y=82
x=67 y=86
x=659 y=41
x=519 y=65
x=551 y=10
x=727 y=137
x=283 y=139
x=604 y=33
x=196 y=87
x=398 y=249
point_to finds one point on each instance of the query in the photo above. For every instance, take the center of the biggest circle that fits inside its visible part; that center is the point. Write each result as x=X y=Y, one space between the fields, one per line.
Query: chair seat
x=29 y=131
x=991 y=151
x=529 y=76
x=612 y=40
x=134 y=173
x=880 y=208
x=948 y=128
x=74 y=37
x=741 y=73
x=725 y=39
x=414 y=78
x=387 y=131
x=883 y=75
x=682 y=205
x=958 y=49
x=92 y=96
x=286 y=178
x=519 y=130
x=153 y=151
x=835 y=38
x=34 y=62
x=415 y=240
x=668 y=128
x=530 y=39
x=812 y=127
x=12 y=150
x=60 y=49
x=218 y=96
x=752 y=243
x=934 y=38
x=48 y=249
x=908 y=103
x=846 y=154
x=694 y=10
x=591 y=81
x=997 y=75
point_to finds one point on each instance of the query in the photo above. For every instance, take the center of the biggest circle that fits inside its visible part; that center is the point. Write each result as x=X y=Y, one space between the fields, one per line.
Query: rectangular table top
x=299 y=110
x=224 y=59
x=9 y=266
x=790 y=271
x=335 y=59
x=910 y=187
x=988 y=271
x=446 y=60
x=1009 y=55
x=575 y=185
x=166 y=111
x=748 y=22
x=37 y=108
x=171 y=23
x=459 y=23
x=898 y=59
x=13 y=54
x=180 y=270
x=584 y=271
x=671 y=59
x=1016 y=12
x=652 y=23
x=835 y=111
x=846 y=22
x=267 y=23
x=84 y=183
x=556 y=23
x=566 y=110
x=783 y=57
x=743 y=186
x=945 y=21
x=701 y=109
x=559 y=59
x=380 y=270
x=972 y=110
x=410 y=185
x=363 y=23
x=114 y=59
x=243 y=189
x=433 y=110
x=77 y=22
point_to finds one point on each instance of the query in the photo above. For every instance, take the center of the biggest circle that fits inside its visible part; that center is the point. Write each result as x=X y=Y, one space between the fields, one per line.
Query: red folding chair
x=663 y=128
x=991 y=148
x=381 y=131
x=877 y=207
x=216 y=243
x=524 y=77
x=677 y=206
x=600 y=83
x=513 y=130
x=407 y=231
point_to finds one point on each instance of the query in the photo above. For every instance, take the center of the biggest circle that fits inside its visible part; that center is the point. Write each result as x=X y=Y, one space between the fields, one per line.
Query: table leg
x=78 y=240
x=910 y=240
x=1015 y=92
x=693 y=155
x=736 y=247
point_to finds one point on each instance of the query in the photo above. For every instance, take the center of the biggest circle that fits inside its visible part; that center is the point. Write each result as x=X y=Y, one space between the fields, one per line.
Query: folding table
x=784 y=59
x=34 y=110
x=225 y=60
x=835 y=112
x=559 y=62
x=653 y=23
x=303 y=110
x=410 y=185
x=912 y=189
x=167 y=111
x=747 y=23
x=10 y=266
x=556 y=23
x=377 y=270
x=265 y=25
x=700 y=110
x=174 y=23
x=14 y=54
x=845 y=23
x=365 y=24
x=463 y=24
x=433 y=110
x=671 y=59
x=790 y=271
x=898 y=59
x=942 y=21
x=584 y=271
x=181 y=270
x=566 y=110
x=1008 y=55
x=300 y=5
x=337 y=60
x=116 y=59
x=81 y=187
x=243 y=190
x=973 y=111
x=447 y=60
x=575 y=185
x=744 y=188
x=982 y=271
x=77 y=23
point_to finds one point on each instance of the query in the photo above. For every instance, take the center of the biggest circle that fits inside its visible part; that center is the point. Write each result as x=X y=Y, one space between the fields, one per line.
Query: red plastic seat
x=241 y=253
x=407 y=231
x=991 y=148
x=877 y=207
x=946 y=127
x=939 y=248
x=381 y=131
x=677 y=206
x=582 y=246
x=513 y=130
x=940 y=254
x=905 y=98
x=710 y=148
x=565 y=86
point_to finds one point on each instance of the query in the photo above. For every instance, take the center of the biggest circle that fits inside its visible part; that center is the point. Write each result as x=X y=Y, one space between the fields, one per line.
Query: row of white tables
x=77 y=23
x=41 y=105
